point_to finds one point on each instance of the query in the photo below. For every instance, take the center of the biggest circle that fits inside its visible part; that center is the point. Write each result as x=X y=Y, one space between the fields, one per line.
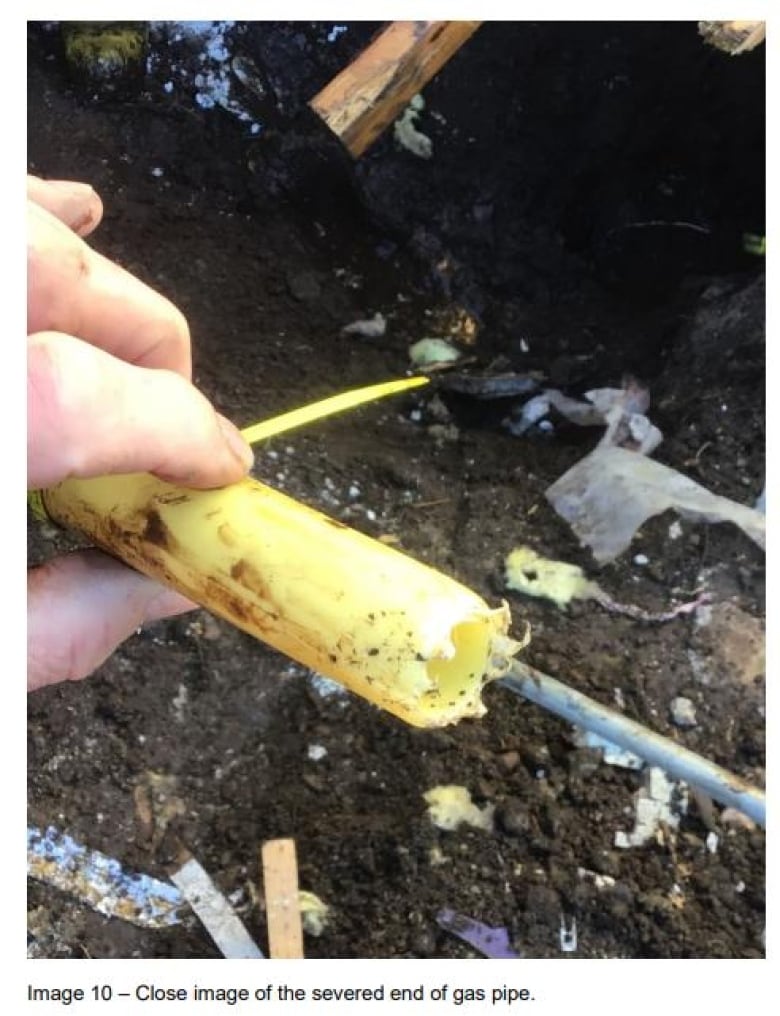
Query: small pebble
x=683 y=712
x=424 y=943
x=509 y=760
x=513 y=817
x=641 y=559
x=736 y=819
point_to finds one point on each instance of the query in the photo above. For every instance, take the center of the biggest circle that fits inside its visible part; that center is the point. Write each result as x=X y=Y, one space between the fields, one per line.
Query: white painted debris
x=336 y=31
x=568 y=936
x=430 y=351
x=712 y=842
x=683 y=712
x=325 y=687
x=612 y=754
x=450 y=806
x=599 y=881
x=406 y=133
x=654 y=808
x=367 y=328
x=315 y=752
x=211 y=86
x=534 y=410
x=641 y=560
x=218 y=917
x=100 y=881
x=179 y=702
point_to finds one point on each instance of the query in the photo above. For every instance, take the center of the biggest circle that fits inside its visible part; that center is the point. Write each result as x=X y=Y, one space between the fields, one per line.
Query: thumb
x=90 y=414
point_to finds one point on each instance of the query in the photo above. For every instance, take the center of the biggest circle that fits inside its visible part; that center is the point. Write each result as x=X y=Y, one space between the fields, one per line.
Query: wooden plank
x=369 y=94
x=283 y=912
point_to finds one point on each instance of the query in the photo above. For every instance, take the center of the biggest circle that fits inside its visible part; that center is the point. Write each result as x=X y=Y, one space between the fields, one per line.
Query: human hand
x=108 y=391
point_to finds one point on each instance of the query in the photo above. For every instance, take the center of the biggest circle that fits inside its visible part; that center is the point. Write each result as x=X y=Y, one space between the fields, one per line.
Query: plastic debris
x=218 y=917
x=491 y=942
x=620 y=410
x=430 y=351
x=683 y=712
x=100 y=881
x=367 y=328
x=654 y=809
x=529 y=573
x=712 y=842
x=450 y=806
x=609 y=494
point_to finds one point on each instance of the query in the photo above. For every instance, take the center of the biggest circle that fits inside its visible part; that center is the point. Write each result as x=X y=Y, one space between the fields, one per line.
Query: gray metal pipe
x=659 y=751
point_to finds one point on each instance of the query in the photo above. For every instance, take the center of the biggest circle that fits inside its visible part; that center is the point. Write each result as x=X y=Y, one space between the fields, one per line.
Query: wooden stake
x=361 y=101
x=283 y=912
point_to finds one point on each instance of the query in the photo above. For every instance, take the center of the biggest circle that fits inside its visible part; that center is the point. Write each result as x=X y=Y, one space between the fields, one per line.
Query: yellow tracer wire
x=327 y=407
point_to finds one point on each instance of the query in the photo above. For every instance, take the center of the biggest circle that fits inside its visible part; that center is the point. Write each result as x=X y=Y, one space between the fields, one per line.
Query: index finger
x=73 y=289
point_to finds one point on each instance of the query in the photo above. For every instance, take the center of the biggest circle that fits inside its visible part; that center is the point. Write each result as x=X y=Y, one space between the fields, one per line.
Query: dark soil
x=555 y=139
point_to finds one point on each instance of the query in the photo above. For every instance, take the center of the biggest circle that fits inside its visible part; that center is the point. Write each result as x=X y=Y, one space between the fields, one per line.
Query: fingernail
x=236 y=443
